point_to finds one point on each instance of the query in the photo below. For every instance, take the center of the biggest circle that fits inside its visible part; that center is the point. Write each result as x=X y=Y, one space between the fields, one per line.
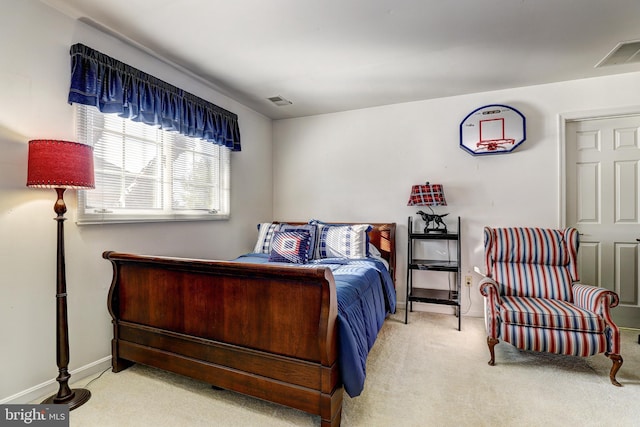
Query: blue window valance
x=115 y=87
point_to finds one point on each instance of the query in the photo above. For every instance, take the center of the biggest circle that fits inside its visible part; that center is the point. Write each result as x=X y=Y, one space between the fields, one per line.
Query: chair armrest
x=597 y=300
x=491 y=291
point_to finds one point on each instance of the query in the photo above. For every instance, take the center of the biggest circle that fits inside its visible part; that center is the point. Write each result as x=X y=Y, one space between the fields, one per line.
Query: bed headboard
x=382 y=236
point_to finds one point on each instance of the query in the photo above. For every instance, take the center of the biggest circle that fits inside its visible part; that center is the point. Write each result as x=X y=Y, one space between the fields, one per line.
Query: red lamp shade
x=60 y=164
x=427 y=195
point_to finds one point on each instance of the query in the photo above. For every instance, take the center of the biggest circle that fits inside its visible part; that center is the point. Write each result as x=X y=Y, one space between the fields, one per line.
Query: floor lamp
x=61 y=165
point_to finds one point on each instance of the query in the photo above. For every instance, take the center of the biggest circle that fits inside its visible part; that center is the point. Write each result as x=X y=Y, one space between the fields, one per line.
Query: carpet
x=425 y=373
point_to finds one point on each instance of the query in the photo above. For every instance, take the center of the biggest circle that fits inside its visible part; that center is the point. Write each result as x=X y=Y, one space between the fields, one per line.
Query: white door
x=603 y=203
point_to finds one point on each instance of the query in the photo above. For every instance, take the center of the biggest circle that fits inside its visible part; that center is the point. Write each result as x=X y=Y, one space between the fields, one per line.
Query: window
x=146 y=174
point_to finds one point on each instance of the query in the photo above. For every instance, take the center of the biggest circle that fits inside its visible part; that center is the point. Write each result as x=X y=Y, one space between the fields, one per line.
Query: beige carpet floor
x=425 y=373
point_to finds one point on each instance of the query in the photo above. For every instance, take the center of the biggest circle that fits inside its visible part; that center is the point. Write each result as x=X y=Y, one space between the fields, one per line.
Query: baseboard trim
x=41 y=391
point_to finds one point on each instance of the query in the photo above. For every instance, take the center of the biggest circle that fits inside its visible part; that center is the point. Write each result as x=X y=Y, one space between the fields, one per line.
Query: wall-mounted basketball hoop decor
x=492 y=129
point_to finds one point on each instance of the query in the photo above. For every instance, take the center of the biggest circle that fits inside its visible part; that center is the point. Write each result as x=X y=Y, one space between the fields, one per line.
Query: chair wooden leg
x=491 y=342
x=617 y=363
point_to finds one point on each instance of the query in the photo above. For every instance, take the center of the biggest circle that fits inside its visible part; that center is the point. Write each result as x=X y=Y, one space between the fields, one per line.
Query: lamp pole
x=65 y=395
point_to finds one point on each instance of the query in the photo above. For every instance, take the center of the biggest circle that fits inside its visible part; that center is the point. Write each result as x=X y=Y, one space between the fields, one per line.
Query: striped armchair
x=534 y=302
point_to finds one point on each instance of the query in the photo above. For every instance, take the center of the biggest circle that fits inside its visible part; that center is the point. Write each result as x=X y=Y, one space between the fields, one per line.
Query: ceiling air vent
x=279 y=101
x=623 y=53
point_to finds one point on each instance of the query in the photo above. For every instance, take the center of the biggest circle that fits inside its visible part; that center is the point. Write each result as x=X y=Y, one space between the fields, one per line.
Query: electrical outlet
x=468 y=281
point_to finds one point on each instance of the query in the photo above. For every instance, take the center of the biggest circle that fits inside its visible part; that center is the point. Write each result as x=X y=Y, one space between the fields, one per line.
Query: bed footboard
x=262 y=330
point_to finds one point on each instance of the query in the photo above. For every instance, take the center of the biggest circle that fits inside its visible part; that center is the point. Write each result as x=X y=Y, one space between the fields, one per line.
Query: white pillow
x=342 y=241
x=373 y=251
x=265 y=234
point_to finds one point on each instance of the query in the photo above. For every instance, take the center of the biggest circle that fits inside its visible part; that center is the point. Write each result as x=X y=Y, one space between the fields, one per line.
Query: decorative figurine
x=434 y=218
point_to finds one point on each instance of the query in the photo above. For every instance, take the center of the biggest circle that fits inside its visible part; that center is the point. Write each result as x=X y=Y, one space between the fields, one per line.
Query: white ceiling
x=335 y=55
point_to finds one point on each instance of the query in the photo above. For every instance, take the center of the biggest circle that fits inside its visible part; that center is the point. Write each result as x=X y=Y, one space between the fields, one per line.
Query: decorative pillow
x=312 y=229
x=265 y=234
x=342 y=241
x=290 y=246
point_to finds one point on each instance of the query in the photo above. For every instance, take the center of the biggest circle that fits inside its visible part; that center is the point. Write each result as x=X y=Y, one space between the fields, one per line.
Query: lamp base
x=78 y=397
x=435 y=230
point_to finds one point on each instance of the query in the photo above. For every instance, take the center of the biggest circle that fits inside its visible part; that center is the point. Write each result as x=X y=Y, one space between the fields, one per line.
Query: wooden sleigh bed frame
x=262 y=330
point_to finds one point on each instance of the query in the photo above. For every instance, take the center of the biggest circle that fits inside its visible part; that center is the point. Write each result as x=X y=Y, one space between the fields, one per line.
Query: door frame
x=563 y=118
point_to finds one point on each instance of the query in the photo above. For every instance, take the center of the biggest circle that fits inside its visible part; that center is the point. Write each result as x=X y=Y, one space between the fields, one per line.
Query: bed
x=293 y=334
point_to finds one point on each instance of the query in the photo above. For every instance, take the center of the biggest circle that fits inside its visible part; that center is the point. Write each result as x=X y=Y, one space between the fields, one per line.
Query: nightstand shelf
x=434 y=296
x=423 y=293
x=430 y=264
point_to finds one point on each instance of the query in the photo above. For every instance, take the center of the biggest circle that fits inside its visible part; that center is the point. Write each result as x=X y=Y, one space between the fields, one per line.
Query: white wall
x=34 y=82
x=360 y=165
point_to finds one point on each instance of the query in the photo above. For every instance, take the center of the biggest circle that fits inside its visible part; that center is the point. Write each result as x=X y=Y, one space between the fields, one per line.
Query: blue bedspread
x=366 y=295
